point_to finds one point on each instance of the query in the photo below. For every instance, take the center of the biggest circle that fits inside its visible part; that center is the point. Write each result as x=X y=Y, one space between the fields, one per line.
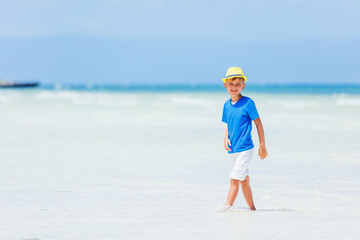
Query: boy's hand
x=262 y=152
x=227 y=143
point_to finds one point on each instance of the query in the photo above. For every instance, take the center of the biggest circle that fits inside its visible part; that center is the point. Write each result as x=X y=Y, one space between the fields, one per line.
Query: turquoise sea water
x=135 y=162
x=276 y=88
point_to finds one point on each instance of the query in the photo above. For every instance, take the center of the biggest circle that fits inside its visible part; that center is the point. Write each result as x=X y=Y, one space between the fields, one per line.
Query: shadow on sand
x=264 y=210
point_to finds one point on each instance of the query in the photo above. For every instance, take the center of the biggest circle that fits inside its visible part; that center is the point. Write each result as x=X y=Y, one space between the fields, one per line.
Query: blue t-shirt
x=238 y=118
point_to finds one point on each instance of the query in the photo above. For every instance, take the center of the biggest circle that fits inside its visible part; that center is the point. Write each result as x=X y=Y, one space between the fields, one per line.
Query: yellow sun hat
x=234 y=72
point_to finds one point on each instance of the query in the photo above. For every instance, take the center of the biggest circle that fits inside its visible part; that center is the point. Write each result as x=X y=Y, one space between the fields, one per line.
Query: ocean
x=147 y=162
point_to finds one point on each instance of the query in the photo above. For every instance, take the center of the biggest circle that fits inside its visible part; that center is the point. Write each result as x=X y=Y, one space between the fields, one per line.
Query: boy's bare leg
x=233 y=191
x=245 y=187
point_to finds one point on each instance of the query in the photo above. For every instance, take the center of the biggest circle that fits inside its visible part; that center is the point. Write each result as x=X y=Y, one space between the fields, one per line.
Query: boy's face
x=234 y=86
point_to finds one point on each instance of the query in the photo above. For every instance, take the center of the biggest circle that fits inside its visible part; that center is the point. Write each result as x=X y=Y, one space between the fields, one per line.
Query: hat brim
x=224 y=79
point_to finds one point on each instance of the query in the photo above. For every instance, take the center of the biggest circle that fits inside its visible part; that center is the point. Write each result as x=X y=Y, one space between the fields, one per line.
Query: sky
x=165 y=42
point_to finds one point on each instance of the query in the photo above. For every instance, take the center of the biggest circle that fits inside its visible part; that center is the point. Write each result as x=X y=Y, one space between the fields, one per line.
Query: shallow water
x=150 y=165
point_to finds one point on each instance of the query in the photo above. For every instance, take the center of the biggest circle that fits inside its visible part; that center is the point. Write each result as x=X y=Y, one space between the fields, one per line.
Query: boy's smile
x=234 y=87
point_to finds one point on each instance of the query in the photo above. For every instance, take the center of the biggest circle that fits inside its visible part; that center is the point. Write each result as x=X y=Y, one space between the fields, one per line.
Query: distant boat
x=12 y=84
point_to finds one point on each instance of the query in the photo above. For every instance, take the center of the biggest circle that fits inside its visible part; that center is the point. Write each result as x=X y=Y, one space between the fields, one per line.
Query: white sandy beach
x=117 y=165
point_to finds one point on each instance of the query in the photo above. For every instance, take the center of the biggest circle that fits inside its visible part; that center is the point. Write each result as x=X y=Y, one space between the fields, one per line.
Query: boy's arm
x=262 y=149
x=227 y=142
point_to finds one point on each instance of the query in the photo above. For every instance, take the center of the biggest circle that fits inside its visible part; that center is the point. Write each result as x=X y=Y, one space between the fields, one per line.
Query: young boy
x=238 y=114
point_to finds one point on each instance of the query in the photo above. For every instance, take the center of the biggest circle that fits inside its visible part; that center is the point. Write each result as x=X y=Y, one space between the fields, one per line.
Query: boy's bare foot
x=222 y=207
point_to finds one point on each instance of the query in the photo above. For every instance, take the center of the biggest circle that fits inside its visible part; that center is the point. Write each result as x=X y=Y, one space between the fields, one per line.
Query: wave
x=268 y=88
x=88 y=98
x=348 y=102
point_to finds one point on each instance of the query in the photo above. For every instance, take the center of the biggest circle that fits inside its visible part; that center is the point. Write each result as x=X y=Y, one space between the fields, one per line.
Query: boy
x=238 y=114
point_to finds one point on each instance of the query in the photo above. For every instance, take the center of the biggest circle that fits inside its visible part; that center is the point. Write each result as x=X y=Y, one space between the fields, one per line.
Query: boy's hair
x=231 y=79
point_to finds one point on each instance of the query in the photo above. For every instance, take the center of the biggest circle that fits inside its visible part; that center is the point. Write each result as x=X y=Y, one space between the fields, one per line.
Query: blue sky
x=156 y=41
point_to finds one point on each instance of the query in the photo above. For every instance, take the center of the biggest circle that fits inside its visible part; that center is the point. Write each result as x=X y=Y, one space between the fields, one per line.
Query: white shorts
x=240 y=164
